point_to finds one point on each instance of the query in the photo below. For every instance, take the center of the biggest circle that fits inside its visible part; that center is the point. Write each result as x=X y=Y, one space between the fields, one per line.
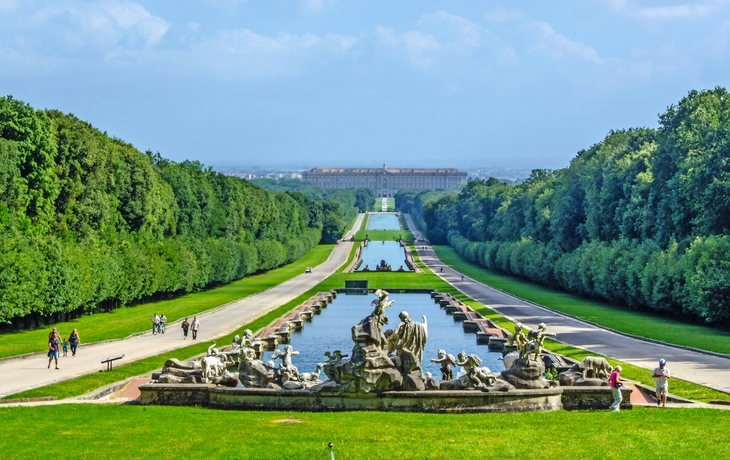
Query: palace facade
x=385 y=182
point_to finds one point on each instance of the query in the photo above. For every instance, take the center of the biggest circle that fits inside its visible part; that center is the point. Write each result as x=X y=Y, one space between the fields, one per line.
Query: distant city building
x=385 y=182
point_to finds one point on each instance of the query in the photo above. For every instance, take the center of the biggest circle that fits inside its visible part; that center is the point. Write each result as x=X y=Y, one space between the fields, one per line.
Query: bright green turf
x=75 y=431
x=125 y=321
x=384 y=235
x=378 y=206
x=611 y=316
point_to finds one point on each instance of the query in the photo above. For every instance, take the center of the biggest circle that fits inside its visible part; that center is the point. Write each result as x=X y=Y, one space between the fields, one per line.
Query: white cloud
x=108 y=26
x=412 y=40
x=342 y=42
x=244 y=53
x=469 y=33
x=418 y=43
x=558 y=45
x=691 y=10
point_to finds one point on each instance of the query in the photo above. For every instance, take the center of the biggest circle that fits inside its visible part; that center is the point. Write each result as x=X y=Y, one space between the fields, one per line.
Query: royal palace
x=385 y=182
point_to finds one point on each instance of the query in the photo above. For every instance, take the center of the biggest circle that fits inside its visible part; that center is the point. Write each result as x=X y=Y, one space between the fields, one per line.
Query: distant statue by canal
x=383 y=267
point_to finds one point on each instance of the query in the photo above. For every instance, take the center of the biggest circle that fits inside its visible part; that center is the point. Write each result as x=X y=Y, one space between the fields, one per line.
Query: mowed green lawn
x=611 y=316
x=76 y=431
x=378 y=206
x=126 y=321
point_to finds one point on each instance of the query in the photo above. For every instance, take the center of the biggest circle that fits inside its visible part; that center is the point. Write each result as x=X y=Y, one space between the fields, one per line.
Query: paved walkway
x=708 y=370
x=31 y=372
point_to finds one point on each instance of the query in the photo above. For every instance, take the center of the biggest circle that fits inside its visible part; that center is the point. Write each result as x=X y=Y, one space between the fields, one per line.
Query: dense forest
x=642 y=218
x=89 y=223
x=351 y=200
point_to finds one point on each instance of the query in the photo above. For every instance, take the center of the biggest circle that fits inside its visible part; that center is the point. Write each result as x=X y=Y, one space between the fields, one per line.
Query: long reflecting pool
x=331 y=331
x=383 y=222
x=389 y=251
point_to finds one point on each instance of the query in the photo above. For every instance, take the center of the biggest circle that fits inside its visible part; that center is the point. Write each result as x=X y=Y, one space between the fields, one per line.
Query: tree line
x=642 y=218
x=351 y=201
x=89 y=223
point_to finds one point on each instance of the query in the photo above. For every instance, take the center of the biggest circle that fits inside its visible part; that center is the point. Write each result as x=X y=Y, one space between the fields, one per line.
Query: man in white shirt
x=194 y=326
x=155 y=323
x=662 y=376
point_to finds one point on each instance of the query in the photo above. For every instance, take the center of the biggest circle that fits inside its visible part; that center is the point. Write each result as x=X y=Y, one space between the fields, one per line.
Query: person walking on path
x=661 y=376
x=194 y=326
x=53 y=348
x=74 y=340
x=65 y=348
x=616 y=383
x=163 y=320
x=185 y=326
x=54 y=333
x=155 y=323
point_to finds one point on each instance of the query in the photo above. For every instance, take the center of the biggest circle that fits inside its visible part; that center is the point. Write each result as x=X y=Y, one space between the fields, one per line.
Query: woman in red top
x=615 y=382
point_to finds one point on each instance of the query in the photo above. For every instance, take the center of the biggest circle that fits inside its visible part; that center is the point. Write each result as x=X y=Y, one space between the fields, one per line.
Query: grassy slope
x=610 y=316
x=378 y=206
x=125 y=321
x=74 y=431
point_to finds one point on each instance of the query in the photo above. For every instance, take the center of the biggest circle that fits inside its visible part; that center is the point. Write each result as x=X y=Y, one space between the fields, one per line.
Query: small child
x=65 y=347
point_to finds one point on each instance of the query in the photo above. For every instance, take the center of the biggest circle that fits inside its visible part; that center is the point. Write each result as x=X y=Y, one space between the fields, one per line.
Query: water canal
x=383 y=221
x=389 y=251
x=331 y=330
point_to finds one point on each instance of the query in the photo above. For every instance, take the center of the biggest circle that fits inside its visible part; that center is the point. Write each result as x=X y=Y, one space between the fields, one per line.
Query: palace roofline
x=387 y=170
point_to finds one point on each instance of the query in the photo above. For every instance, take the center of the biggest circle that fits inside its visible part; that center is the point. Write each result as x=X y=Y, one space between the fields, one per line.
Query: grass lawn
x=611 y=316
x=384 y=235
x=378 y=206
x=75 y=431
x=125 y=321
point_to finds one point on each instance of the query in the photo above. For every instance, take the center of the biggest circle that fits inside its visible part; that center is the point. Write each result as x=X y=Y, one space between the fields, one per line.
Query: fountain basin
x=390 y=401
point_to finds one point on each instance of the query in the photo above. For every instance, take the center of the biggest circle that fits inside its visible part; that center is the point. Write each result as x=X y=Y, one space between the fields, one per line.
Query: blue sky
x=343 y=83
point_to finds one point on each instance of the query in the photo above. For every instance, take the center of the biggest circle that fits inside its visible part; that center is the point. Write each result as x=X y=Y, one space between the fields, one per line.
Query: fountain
x=383 y=371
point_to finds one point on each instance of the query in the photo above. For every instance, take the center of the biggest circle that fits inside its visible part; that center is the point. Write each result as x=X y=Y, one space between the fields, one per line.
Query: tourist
x=53 y=348
x=65 y=348
x=155 y=323
x=185 y=326
x=54 y=333
x=163 y=320
x=74 y=341
x=194 y=326
x=616 y=383
x=661 y=376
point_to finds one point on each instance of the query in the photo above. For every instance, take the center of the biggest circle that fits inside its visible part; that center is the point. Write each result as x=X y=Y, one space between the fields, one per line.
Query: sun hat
x=662 y=362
